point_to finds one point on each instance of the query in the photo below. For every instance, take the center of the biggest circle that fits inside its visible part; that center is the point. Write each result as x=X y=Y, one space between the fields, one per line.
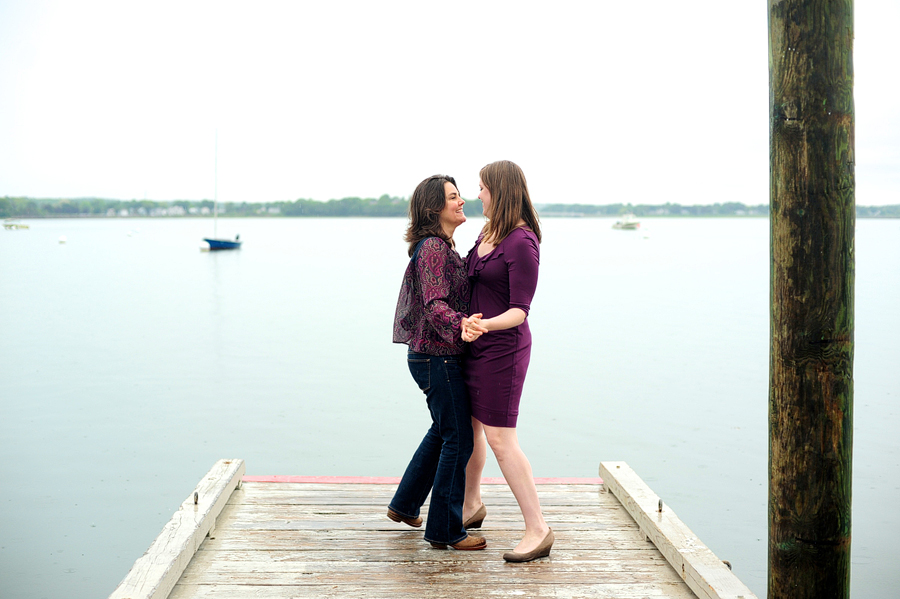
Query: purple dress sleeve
x=431 y=269
x=522 y=259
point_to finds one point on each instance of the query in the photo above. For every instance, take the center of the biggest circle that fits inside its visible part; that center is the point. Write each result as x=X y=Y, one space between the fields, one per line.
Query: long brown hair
x=510 y=201
x=425 y=206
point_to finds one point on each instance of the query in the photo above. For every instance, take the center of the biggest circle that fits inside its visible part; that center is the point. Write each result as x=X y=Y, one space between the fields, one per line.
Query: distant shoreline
x=541 y=214
x=385 y=206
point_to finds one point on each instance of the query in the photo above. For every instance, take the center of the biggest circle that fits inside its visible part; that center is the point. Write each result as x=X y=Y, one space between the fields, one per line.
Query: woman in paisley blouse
x=431 y=319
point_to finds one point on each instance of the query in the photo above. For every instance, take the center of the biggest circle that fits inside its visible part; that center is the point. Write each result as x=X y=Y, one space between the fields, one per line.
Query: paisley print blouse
x=434 y=298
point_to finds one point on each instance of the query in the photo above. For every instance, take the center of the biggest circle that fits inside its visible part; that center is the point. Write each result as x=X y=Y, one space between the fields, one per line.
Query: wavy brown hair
x=425 y=206
x=510 y=201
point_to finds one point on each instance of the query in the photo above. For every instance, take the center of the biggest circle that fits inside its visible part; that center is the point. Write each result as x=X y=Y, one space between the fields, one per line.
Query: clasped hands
x=472 y=327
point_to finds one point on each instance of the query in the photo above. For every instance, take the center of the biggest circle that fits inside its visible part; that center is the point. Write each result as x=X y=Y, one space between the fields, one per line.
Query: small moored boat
x=13 y=225
x=223 y=244
x=628 y=222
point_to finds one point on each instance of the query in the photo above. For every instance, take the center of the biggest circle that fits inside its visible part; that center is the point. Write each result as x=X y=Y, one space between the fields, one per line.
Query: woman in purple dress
x=503 y=273
x=430 y=315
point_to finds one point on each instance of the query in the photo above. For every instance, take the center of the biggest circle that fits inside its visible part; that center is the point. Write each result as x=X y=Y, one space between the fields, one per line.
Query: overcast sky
x=599 y=102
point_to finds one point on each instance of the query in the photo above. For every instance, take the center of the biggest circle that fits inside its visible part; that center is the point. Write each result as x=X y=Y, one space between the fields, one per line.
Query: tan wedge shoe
x=542 y=550
x=477 y=518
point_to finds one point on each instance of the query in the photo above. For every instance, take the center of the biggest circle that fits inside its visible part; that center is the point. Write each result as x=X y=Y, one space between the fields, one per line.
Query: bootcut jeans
x=439 y=464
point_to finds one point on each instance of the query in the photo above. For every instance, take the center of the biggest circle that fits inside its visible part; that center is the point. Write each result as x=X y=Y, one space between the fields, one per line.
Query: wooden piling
x=812 y=279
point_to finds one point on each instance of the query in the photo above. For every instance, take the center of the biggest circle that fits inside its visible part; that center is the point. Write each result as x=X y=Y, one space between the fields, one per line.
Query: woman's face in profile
x=452 y=214
x=484 y=194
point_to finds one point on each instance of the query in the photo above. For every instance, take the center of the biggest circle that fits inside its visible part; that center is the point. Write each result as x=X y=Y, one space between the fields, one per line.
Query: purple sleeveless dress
x=497 y=361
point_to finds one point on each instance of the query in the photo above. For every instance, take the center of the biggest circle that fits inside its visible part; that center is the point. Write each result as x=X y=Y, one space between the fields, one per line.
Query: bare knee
x=502 y=441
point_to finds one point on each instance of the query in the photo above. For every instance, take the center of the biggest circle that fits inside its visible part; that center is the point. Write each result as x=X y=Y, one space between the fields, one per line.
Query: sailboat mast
x=216 y=189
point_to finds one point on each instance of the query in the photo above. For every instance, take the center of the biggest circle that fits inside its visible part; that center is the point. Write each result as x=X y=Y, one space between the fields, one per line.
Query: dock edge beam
x=155 y=574
x=705 y=574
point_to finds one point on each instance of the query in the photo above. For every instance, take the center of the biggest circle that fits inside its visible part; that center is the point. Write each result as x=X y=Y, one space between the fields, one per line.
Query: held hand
x=476 y=324
x=482 y=325
x=471 y=328
x=466 y=332
x=469 y=336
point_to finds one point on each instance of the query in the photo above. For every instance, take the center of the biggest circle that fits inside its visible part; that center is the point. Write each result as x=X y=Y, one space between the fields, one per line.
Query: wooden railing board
x=156 y=573
x=706 y=575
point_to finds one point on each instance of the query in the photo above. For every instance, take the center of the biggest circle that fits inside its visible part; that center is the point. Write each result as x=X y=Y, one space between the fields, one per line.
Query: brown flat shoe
x=414 y=522
x=470 y=543
x=477 y=518
x=542 y=550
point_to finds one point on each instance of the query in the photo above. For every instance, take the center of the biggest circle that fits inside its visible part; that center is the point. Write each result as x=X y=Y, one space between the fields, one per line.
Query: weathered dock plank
x=557 y=590
x=704 y=573
x=348 y=541
x=354 y=516
x=155 y=573
x=309 y=494
x=639 y=557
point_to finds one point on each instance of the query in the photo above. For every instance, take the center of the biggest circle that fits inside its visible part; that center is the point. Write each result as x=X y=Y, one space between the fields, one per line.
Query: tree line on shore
x=23 y=207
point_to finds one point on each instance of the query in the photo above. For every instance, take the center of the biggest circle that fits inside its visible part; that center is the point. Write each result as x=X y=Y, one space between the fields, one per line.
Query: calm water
x=130 y=362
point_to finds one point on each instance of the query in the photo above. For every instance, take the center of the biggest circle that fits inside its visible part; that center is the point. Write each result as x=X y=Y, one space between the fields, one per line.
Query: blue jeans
x=439 y=464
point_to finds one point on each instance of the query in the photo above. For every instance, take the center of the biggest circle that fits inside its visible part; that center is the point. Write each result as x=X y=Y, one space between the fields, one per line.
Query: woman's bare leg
x=473 y=472
x=517 y=471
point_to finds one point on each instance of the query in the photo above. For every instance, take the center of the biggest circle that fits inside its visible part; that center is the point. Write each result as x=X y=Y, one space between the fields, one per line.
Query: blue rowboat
x=224 y=244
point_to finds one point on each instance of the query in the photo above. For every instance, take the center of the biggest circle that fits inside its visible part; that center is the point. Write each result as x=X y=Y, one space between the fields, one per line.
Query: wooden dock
x=278 y=537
